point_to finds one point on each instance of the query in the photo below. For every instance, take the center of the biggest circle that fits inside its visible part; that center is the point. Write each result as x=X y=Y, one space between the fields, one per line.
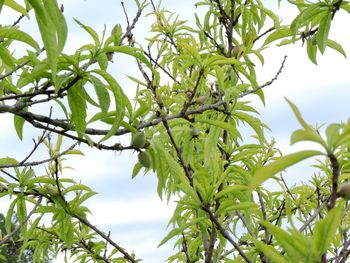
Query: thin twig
x=267 y=83
x=38 y=162
x=311 y=218
x=20 y=66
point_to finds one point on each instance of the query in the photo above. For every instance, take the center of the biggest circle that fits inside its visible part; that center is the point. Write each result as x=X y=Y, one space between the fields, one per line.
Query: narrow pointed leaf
x=307 y=135
x=57 y=17
x=19 y=123
x=266 y=172
x=135 y=52
x=6 y=58
x=12 y=4
x=323 y=31
x=177 y=231
x=296 y=245
x=336 y=46
x=119 y=98
x=221 y=124
x=270 y=252
x=77 y=106
x=311 y=50
x=325 y=230
x=91 y=31
x=16 y=34
x=278 y=34
x=48 y=34
x=298 y=115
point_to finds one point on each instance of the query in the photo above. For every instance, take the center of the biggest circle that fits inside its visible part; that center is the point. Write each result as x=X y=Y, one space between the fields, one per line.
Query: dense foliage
x=186 y=127
x=11 y=250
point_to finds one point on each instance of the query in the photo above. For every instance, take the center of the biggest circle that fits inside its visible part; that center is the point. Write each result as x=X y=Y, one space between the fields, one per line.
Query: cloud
x=138 y=211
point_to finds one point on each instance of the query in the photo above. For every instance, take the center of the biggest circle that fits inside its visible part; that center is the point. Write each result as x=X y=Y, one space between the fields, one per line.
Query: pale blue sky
x=322 y=94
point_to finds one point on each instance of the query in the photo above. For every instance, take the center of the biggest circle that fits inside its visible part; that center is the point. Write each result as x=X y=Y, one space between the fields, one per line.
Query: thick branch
x=335 y=176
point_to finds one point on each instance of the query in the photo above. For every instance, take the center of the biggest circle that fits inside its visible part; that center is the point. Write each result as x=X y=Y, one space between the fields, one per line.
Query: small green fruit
x=345 y=191
x=201 y=99
x=236 y=52
x=138 y=140
x=194 y=132
x=145 y=159
x=51 y=191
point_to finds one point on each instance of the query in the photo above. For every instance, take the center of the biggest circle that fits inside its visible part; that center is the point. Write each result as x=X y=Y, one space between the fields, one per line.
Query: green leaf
x=22 y=213
x=1 y=4
x=336 y=46
x=136 y=170
x=19 y=123
x=91 y=31
x=119 y=98
x=47 y=209
x=323 y=31
x=77 y=105
x=228 y=206
x=278 y=34
x=270 y=252
x=12 y=4
x=253 y=122
x=42 y=179
x=221 y=124
x=6 y=58
x=219 y=60
x=75 y=152
x=101 y=92
x=9 y=215
x=135 y=52
x=7 y=161
x=311 y=50
x=76 y=187
x=16 y=34
x=307 y=135
x=210 y=145
x=344 y=137
x=332 y=134
x=281 y=163
x=48 y=34
x=60 y=23
x=298 y=115
x=325 y=230
x=102 y=60
x=345 y=6
x=295 y=244
x=179 y=230
x=231 y=190
x=306 y=15
x=272 y=15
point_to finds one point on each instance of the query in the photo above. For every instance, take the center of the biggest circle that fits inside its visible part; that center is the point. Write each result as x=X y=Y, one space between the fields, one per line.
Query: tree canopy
x=185 y=124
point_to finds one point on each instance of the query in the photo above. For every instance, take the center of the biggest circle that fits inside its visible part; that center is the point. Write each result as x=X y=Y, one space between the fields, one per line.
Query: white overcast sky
x=131 y=209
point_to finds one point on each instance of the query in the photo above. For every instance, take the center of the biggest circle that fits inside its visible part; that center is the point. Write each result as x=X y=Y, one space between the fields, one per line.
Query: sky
x=130 y=208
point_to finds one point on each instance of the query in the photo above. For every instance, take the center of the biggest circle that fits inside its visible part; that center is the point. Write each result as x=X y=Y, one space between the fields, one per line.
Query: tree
x=191 y=99
x=10 y=251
